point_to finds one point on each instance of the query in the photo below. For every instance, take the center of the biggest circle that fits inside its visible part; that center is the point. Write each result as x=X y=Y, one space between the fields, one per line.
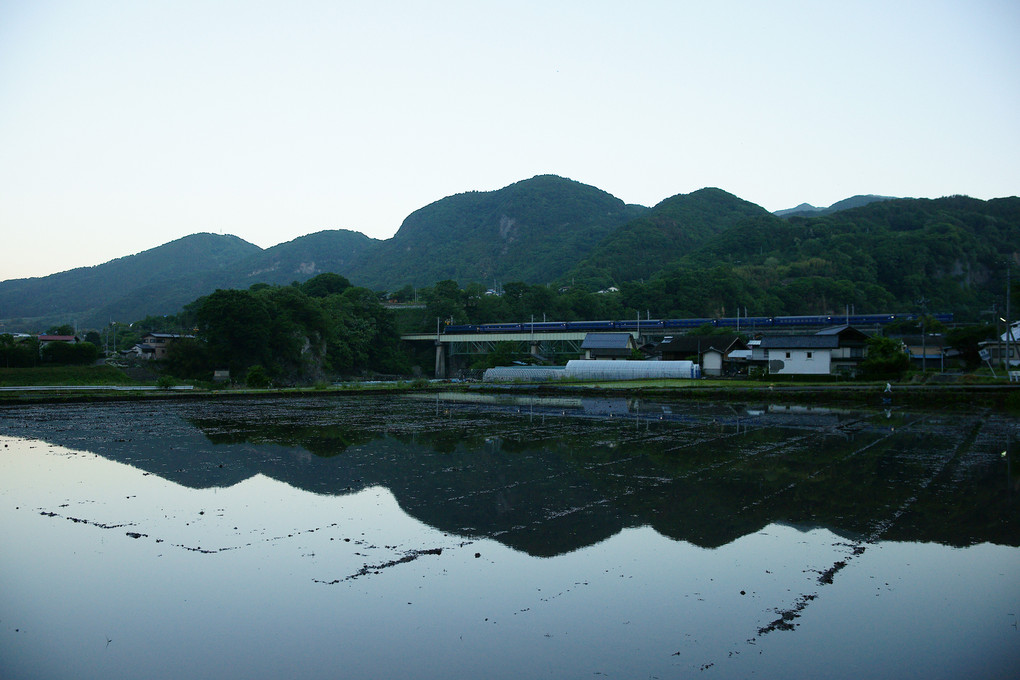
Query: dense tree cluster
x=517 y=301
x=951 y=253
x=18 y=353
x=28 y=352
x=317 y=330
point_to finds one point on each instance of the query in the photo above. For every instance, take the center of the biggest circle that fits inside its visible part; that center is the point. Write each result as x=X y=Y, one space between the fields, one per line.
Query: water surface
x=456 y=536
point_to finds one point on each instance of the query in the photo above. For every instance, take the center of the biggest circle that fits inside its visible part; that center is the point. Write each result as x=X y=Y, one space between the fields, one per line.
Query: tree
x=235 y=325
x=886 y=358
x=325 y=284
x=64 y=329
x=965 y=340
x=446 y=301
x=18 y=354
x=257 y=377
x=69 y=353
x=503 y=354
x=188 y=358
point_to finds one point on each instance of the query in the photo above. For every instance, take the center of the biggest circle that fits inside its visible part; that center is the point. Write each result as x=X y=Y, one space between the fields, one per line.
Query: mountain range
x=549 y=229
x=808 y=210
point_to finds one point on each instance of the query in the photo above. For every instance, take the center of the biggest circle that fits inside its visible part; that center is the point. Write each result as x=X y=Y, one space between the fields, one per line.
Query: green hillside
x=808 y=210
x=946 y=254
x=337 y=250
x=79 y=292
x=668 y=232
x=534 y=230
x=701 y=254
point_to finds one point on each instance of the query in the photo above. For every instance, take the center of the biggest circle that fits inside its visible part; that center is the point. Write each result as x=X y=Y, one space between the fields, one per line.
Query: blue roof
x=606 y=341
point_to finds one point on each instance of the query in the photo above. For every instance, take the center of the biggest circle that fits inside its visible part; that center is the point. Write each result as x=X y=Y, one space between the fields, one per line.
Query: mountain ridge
x=553 y=230
x=808 y=210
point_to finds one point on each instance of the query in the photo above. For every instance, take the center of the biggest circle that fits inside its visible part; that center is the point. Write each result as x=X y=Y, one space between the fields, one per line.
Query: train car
x=499 y=328
x=463 y=328
x=743 y=322
x=590 y=326
x=638 y=324
x=863 y=319
x=944 y=317
x=793 y=321
x=544 y=326
x=686 y=323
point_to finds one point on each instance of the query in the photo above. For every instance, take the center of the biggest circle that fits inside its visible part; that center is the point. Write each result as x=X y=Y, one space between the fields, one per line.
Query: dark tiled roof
x=800 y=342
x=832 y=330
x=689 y=344
x=846 y=332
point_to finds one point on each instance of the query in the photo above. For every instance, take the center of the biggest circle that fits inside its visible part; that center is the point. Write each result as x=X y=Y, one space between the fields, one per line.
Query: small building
x=927 y=351
x=834 y=350
x=608 y=346
x=45 y=339
x=154 y=345
x=1005 y=350
x=851 y=348
x=714 y=353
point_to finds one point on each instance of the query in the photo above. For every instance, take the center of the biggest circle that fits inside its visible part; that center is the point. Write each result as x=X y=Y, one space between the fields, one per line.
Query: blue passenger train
x=744 y=322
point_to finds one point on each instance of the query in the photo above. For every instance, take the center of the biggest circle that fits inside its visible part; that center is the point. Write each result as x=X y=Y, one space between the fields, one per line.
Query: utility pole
x=923 y=302
x=1010 y=341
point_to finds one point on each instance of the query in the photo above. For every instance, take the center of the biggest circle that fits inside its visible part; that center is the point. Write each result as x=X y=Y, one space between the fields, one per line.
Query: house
x=154 y=345
x=927 y=351
x=608 y=346
x=45 y=339
x=716 y=354
x=1005 y=349
x=834 y=350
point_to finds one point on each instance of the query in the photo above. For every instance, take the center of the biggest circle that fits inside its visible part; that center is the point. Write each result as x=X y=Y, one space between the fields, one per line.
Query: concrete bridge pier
x=440 y=361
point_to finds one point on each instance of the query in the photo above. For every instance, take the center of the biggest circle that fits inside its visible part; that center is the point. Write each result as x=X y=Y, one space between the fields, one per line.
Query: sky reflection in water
x=392 y=537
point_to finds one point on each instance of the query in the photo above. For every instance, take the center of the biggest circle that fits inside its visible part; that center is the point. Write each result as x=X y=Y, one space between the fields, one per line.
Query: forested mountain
x=534 y=230
x=947 y=254
x=162 y=279
x=670 y=230
x=338 y=250
x=808 y=210
x=297 y=260
x=698 y=254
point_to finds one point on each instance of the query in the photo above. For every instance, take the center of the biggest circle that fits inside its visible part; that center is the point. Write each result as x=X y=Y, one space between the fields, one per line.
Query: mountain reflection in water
x=550 y=475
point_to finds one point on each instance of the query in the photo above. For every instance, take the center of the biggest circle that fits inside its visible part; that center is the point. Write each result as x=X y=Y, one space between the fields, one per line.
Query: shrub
x=257 y=377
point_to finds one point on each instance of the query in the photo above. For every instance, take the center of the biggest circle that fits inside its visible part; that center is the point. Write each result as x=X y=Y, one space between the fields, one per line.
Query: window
x=809 y=355
x=787 y=355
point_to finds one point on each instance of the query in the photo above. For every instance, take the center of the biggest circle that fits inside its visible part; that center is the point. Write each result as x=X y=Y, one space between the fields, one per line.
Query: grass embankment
x=968 y=390
x=64 y=375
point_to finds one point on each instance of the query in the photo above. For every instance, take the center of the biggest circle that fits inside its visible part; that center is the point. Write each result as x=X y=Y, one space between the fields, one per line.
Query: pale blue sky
x=124 y=125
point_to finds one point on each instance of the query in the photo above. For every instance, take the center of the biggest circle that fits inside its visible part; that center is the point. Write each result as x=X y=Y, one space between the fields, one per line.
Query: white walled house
x=839 y=349
x=797 y=355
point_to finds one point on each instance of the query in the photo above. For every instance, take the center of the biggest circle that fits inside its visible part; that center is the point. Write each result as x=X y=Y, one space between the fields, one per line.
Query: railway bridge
x=557 y=341
x=455 y=350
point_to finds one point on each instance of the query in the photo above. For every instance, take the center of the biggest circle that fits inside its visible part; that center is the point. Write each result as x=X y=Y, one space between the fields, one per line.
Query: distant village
x=550 y=351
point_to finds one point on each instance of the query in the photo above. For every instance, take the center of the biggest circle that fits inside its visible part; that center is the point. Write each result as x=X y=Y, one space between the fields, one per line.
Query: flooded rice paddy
x=463 y=536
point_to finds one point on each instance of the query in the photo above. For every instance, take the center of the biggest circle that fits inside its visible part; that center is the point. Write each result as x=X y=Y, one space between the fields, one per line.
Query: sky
x=126 y=125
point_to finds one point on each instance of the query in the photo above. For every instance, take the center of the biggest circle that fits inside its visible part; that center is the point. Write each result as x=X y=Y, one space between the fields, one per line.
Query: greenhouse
x=596 y=369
